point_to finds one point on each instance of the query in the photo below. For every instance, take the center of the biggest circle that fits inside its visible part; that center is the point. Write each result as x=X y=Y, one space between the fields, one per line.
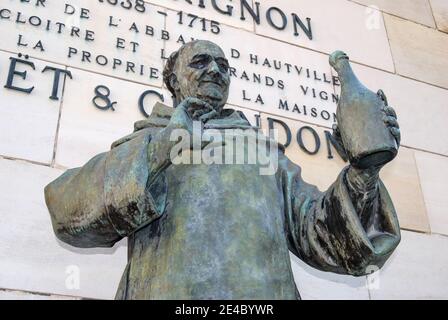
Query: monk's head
x=198 y=69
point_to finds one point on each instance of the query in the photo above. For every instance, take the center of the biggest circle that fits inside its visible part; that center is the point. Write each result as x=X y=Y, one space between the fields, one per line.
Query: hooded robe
x=216 y=231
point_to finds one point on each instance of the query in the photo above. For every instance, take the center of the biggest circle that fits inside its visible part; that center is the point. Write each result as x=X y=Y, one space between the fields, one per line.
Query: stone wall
x=400 y=46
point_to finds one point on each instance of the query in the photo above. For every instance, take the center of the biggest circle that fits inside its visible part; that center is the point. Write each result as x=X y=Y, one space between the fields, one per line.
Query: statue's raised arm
x=352 y=228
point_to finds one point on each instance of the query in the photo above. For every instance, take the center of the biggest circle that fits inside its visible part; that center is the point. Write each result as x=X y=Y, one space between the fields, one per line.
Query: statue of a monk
x=217 y=231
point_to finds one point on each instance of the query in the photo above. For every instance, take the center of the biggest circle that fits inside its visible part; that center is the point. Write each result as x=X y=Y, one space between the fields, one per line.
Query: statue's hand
x=390 y=118
x=161 y=146
x=189 y=110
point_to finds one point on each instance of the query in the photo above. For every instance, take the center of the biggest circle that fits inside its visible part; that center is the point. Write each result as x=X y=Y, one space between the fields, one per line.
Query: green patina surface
x=213 y=231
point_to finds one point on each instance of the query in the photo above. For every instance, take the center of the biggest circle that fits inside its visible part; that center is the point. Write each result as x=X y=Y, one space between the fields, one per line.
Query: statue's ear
x=174 y=83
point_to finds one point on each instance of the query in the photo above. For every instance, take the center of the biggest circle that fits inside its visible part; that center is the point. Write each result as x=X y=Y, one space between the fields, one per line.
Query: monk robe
x=217 y=231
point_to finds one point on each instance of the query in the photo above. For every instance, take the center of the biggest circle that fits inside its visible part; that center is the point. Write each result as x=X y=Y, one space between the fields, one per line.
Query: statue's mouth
x=218 y=83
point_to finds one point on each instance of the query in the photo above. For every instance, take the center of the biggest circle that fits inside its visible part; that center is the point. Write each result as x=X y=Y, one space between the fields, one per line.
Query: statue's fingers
x=192 y=100
x=191 y=111
x=383 y=96
x=198 y=103
x=198 y=113
x=188 y=103
x=392 y=122
x=192 y=104
x=195 y=108
x=396 y=133
x=208 y=116
x=390 y=111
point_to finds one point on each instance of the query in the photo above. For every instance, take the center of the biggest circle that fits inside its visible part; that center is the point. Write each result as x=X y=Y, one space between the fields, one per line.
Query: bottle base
x=375 y=159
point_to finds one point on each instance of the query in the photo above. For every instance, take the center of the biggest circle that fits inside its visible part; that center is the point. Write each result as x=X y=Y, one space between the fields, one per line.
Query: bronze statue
x=219 y=231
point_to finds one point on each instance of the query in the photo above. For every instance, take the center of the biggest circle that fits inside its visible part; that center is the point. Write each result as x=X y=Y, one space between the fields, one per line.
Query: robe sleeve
x=325 y=231
x=106 y=199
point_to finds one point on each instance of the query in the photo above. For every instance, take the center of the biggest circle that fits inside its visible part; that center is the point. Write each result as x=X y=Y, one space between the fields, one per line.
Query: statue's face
x=202 y=71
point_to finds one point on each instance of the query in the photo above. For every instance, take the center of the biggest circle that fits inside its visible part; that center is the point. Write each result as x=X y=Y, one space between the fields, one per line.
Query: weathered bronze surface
x=365 y=127
x=218 y=231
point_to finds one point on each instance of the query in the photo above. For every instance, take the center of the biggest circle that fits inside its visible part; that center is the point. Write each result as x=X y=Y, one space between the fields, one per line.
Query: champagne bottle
x=366 y=137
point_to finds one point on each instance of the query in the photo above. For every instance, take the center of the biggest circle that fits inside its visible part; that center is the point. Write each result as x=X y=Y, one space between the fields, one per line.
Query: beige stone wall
x=400 y=46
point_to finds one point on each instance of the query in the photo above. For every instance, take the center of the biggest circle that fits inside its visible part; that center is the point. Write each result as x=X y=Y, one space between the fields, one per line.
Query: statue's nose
x=213 y=67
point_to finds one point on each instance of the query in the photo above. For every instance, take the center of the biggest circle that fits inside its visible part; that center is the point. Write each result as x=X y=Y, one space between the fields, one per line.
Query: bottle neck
x=346 y=74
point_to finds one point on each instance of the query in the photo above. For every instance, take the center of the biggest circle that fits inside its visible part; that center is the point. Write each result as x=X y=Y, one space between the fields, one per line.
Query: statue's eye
x=200 y=62
x=224 y=67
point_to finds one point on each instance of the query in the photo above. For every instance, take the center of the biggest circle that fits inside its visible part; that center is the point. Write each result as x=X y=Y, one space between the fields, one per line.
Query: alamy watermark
x=373 y=277
x=374 y=19
x=73 y=279
x=231 y=146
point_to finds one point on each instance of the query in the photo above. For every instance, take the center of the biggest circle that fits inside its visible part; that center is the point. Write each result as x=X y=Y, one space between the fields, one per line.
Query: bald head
x=198 y=69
